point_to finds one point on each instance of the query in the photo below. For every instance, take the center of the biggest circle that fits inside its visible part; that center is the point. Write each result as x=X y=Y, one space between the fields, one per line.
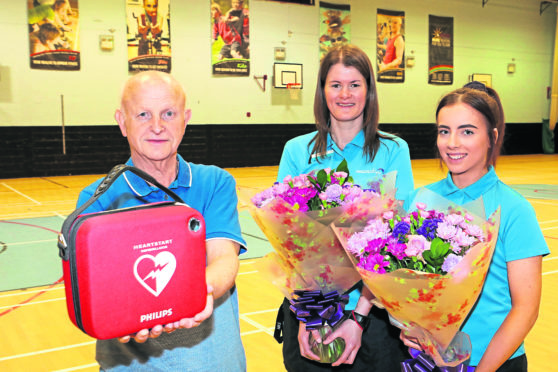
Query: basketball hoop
x=294 y=89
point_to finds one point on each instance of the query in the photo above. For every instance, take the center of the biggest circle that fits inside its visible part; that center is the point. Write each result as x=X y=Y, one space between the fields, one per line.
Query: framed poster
x=148 y=34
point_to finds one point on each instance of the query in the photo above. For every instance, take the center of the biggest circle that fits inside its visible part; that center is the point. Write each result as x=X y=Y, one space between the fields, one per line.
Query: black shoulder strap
x=103 y=186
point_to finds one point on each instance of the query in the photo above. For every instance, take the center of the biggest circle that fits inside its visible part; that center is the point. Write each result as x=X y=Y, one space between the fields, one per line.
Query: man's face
x=151 y=7
x=154 y=120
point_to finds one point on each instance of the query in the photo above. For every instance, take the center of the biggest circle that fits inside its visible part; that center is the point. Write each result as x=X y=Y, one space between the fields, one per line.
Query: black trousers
x=518 y=364
x=381 y=348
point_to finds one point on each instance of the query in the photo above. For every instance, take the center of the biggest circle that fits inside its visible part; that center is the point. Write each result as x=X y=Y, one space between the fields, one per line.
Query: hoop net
x=294 y=89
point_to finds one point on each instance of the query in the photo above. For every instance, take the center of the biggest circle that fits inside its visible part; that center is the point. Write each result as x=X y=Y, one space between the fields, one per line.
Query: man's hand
x=157 y=330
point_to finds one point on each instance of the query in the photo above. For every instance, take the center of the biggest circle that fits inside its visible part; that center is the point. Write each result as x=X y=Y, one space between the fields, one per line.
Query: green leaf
x=321 y=178
x=343 y=167
x=439 y=248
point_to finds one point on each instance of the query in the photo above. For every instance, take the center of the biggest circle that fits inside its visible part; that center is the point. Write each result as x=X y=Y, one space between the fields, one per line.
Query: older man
x=153 y=117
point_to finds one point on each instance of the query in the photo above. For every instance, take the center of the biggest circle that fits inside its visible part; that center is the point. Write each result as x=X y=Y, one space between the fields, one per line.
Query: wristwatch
x=360 y=319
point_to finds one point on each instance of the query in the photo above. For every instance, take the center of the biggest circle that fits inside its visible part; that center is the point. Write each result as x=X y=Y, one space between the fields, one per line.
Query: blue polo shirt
x=519 y=237
x=211 y=191
x=391 y=156
x=206 y=188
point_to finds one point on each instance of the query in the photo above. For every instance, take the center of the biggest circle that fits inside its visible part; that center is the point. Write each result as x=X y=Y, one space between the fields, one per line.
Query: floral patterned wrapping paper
x=432 y=307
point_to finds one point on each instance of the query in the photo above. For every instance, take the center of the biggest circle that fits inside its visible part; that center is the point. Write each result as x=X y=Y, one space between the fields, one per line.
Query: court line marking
x=24 y=292
x=44 y=351
x=545 y=222
x=260 y=327
x=248 y=272
x=550 y=272
x=78 y=367
x=33 y=303
x=20 y=193
x=542 y=201
x=32 y=242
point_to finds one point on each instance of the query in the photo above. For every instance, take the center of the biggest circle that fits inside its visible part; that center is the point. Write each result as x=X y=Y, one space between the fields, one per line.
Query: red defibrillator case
x=133 y=268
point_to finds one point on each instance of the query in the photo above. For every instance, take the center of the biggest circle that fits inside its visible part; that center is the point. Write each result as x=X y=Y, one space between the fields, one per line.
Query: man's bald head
x=143 y=81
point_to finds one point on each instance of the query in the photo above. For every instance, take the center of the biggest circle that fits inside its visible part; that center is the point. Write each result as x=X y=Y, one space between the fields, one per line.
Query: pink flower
x=301 y=181
x=340 y=175
x=454 y=219
x=375 y=263
x=473 y=230
x=421 y=206
x=416 y=245
x=446 y=231
x=287 y=178
x=378 y=228
x=463 y=239
x=387 y=215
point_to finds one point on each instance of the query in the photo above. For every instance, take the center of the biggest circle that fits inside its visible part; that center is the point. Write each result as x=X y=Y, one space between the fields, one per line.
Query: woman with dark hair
x=346 y=115
x=471 y=126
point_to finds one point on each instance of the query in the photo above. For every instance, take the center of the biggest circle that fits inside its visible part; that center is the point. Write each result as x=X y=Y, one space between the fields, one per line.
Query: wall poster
x=148 y=33
x=53 y=34
x=335 y=26
x=230 y=50
x=390 y=51
x=440 y=50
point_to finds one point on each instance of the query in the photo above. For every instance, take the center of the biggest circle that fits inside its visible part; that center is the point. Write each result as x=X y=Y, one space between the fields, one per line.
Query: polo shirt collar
x=475 y=190
x=358 y=141
x=141 y=188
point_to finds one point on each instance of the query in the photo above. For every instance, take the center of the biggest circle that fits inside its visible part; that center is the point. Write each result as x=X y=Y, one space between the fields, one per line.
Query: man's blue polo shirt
x=208 y=189
x=519 y=237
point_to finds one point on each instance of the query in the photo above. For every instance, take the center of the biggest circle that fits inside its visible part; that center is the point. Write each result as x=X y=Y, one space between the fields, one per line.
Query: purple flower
x=400 y=230
x=428 y=228
x=450 y=262
x=333 y=193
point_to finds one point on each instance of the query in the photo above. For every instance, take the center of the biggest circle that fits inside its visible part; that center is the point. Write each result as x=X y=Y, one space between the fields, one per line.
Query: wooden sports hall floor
x=36 y=335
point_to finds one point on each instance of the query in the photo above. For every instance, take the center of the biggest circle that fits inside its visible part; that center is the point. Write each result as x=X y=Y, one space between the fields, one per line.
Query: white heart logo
x=155 y=274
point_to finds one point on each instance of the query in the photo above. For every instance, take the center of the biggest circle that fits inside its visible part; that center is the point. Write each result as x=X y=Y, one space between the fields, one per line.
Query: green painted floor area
x=29 y=254
x=537 y=191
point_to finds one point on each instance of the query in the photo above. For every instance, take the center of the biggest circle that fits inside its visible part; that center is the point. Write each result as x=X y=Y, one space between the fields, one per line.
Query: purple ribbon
x=423 y=363
x=315 y=308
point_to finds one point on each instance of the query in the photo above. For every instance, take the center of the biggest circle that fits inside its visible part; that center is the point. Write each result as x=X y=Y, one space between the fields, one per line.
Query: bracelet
x=361 y=320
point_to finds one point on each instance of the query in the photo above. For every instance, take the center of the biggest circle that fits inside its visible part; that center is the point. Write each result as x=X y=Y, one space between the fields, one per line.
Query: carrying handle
x=114 y=173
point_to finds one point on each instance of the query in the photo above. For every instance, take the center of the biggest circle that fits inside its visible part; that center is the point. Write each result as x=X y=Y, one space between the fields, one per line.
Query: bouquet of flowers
x=308 y=264
x=427 y=269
